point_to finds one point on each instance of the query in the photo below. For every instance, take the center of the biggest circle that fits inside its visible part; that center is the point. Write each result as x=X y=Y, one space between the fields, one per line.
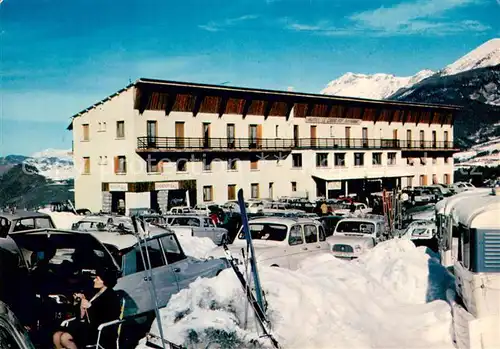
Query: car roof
x=284 y=220
x=23 y=214
x=126 y=240
x=95 y=219
x=366 y=220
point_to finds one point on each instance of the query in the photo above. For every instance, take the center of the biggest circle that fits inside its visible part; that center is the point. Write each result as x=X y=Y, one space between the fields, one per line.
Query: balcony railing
x=146 y=144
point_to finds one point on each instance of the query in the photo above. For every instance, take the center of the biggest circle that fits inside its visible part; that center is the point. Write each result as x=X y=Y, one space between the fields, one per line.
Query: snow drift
x=389 y=298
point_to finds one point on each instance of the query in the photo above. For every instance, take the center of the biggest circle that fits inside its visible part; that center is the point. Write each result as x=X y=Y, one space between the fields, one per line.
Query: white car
x=353 y=236
x=345 y=209
x=462 y=186
x=281 y=242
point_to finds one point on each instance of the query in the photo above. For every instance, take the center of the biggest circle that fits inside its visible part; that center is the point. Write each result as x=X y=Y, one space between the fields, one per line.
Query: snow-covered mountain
x=483 y=154
x=56 y=164
x=376 y=86
x=472 y=81
x=486 y=55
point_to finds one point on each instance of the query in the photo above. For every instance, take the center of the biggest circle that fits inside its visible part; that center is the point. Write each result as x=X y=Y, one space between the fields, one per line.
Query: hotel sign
x=334 y=185
x=341 y=121
x=118 y=186
x=166 y=185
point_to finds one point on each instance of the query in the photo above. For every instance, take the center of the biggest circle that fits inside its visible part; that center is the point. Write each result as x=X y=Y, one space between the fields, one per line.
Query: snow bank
x=378 y=301
x=62 y=220
x=195 y=246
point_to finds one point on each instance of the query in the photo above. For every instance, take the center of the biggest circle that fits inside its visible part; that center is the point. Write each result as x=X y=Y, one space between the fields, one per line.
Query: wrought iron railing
x=259 y=144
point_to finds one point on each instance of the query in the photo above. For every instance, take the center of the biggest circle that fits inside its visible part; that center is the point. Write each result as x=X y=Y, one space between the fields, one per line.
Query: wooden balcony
x=175 y=144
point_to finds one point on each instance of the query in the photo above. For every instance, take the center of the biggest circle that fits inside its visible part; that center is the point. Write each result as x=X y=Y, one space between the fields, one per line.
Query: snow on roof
x=446 y=206
x=480 y=211
x=23 y=214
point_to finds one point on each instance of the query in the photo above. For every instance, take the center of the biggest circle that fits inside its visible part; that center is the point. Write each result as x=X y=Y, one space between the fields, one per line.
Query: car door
x=135 y=281
x=311 y=240
x=296 y=247
x=185 y=269
x=322 y=245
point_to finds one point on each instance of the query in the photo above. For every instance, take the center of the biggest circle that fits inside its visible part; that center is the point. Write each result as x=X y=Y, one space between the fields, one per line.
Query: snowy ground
x=389 y=298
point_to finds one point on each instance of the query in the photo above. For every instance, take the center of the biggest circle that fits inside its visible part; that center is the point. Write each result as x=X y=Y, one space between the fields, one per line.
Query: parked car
x=12 y=333
x=281 y=242
x=345 y=209
x=353 y=236
x=181 y=210
x=422 y=233
x=74 y=256
x=459 y=187
x=93 y=223
x=24 y=220
x=444 y=189
x=199 y=226
x=419 y=197
x=433 y=191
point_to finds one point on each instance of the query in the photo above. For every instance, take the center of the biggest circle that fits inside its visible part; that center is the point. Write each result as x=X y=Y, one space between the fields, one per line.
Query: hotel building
x=156 y=139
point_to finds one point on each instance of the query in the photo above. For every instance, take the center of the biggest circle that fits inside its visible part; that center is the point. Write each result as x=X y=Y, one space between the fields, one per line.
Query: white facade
x=103 y=146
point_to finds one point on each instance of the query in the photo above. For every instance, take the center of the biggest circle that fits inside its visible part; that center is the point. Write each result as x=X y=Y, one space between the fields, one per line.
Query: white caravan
x=476 y=302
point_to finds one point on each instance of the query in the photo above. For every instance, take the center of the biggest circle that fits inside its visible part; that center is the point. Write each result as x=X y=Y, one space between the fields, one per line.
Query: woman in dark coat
x=103 y=307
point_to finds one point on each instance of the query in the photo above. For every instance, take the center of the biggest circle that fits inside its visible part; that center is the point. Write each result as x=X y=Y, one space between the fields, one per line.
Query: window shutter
x=259 y=135
x=117 y=164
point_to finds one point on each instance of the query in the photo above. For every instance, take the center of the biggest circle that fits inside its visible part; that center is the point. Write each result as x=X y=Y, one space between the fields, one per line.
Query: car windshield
x=266 y=231
x=355 y=227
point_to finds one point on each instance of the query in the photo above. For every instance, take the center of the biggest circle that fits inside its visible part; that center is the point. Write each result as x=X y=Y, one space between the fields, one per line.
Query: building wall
x=103 y=146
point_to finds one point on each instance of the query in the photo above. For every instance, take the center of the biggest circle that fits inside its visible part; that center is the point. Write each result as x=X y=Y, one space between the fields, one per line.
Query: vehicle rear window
x=266 y=231
x=355 y=227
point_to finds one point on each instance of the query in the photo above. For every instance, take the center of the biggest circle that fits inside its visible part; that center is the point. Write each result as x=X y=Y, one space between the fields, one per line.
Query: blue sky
x=60 y=56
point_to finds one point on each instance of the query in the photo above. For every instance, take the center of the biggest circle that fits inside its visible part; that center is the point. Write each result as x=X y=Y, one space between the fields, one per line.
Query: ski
x=251 y=254
x=259 y=312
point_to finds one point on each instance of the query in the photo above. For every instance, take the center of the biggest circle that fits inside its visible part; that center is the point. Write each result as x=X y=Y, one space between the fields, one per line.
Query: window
x=120 y=164
x=181 y=165
x=297 y=160
x=271 y=190
x=230 y=135
x=152 y=166
x=434 y=139
x=254 y=163
x=321 y=160
x=277 y=133
x=339 y=159
x=294 y=186
x=120 y=129
x=252 y=135
x=25 y=224
x=364 y=135
x=231 y=165
x=207 y=164
x=446 y=139
x=266 y=231
x=231 y=192
x=255 y=190
x=85 y=130
x=86 y=165
x=155 y=255
x=410 y=181
x=152 y=133
x=171 y=248
x=408 y=138
x=391 y=158
x=208 y=193
x=446 y=179
x=422 y=139
x=359 y=159
x=310 y=234
x=295 y=237
x=465 y=236
x=377 y=159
